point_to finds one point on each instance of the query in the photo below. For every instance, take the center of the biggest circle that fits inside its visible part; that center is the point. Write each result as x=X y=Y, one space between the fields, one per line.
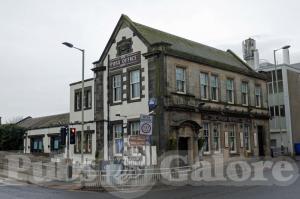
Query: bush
x=11 y=137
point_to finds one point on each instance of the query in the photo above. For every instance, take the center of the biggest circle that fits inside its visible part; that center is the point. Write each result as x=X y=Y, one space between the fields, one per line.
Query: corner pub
x=202 y=93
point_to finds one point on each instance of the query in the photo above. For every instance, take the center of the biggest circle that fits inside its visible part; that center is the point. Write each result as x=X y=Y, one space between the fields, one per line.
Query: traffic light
x=63 y=134
x=72 y=135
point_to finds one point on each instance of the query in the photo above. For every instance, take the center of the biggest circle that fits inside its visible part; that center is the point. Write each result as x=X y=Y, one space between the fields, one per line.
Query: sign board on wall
x=125 y=60
x=137 y=140
x=146 y=125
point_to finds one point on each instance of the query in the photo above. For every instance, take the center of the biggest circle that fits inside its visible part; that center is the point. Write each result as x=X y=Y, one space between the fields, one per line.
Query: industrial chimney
x=285 y=56
x=250 y=53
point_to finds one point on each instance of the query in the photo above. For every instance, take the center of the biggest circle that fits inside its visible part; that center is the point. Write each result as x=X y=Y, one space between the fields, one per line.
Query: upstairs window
x=117 y=92
x=135 y=89
x=87 y=103
x=204 y=85
x=214 y=87
x=230 y=91
x=180 y=80
x=257 y=96
x=77 y=99
x=88 y=98
x=244 y=91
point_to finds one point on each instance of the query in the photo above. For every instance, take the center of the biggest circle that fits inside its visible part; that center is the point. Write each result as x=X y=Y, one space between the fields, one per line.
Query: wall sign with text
x=125 y=60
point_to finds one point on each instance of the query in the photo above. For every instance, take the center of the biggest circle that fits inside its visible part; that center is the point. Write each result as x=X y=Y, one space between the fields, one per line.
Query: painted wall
x=75 y=116
x=131 y=110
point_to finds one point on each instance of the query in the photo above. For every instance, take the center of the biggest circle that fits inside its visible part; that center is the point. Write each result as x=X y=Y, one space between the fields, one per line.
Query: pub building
x=209 y=101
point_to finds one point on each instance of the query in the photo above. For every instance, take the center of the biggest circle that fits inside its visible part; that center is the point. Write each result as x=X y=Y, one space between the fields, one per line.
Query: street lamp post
x=82 y=97
x=277 y=95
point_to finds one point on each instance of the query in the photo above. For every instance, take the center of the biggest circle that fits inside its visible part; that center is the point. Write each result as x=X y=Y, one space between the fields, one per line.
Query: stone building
x=204 y=96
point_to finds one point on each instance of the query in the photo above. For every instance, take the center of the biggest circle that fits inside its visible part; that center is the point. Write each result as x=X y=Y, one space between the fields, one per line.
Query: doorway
x=183 y=150
x=260 y=137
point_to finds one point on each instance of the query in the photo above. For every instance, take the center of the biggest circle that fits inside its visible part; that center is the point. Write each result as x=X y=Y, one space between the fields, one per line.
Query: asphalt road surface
x=10 y=189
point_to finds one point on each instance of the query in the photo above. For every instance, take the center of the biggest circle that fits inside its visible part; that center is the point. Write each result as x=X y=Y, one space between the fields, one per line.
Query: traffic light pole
x=68 y=144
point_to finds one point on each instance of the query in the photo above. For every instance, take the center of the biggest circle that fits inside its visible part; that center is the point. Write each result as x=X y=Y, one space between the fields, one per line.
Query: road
x=10 y=190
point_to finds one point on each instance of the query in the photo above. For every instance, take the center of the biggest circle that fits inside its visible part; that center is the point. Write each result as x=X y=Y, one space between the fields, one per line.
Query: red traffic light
x=73 y=130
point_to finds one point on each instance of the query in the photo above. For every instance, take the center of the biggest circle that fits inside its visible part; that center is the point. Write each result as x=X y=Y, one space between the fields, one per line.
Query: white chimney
x=285 y=56
x=250 y=53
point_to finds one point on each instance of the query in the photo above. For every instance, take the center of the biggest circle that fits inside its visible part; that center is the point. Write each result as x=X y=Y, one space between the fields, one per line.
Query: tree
x=11 y=137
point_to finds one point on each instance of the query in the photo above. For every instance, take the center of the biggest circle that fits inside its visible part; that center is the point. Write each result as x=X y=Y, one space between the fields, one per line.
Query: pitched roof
x=187 y=46
x=45 y=122
x=183 y=47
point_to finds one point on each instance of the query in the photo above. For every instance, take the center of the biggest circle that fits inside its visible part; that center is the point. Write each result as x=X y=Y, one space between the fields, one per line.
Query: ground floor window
x=216 y=137
x=232 y=138
x=54 y=143
x=118 y=139
x=87 y=142
x=206 y=137
x=247 y=137
x=37 y=145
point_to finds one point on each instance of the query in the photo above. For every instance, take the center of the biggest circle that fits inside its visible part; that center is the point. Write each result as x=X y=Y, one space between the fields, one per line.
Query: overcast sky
x=35 y=69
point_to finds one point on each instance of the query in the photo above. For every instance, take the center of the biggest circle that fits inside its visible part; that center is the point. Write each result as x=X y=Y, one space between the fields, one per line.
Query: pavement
x=11 y=189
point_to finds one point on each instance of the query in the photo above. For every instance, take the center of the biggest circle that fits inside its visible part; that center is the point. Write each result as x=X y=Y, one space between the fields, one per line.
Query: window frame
x=216 y=87
x=130 y=123
x=116 y=87
x=247 y=126
x=260 y=96
x=183 y=81
x=232 y=91
x=245 y=93
x=204 y=87
x=120 y=125
x=206 y=135
x=218 y=127
x=234 y=135
x=131 y=84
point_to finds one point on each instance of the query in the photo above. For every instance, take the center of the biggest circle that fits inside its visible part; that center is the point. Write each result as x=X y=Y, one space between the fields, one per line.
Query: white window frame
x=230 y=90
x=232 y=134
x=206 y=134
x=137 y=131
x=204 y=85
x=245 y=92
x=134 y=83
x=117 y=133
x=117 y=87
x=216 y=86
x=183 y=80
x=258 y=96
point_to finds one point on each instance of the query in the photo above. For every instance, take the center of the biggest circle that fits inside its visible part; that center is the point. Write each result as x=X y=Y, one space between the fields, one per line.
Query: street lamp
x=82 y=96
x=277 y=95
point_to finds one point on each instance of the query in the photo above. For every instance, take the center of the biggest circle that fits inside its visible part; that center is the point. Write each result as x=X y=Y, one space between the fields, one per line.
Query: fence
x=116 y=179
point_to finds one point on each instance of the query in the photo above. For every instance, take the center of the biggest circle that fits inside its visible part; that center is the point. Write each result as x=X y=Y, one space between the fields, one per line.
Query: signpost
x=146 y=125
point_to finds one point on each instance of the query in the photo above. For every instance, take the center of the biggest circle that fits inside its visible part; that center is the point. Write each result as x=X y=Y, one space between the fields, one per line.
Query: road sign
x=137 y=140
x=146 y=125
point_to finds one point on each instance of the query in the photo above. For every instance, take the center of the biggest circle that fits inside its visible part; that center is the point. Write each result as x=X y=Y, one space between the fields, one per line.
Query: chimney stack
x=285 y=56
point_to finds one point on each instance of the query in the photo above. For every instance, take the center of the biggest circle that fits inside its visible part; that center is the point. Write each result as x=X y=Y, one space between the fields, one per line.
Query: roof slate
x=187 y=46
x=45 y=122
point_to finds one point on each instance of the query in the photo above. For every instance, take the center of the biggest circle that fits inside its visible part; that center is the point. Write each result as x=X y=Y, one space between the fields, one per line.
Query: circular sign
x=146 y=128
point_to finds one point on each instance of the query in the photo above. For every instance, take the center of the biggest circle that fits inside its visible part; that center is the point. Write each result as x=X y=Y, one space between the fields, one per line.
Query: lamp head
x=286 y=47
x=68 y=44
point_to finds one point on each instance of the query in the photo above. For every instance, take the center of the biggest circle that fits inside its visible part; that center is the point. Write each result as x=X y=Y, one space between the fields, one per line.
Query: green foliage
x=172 y=145
x=11 y=137
x=201 y=141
